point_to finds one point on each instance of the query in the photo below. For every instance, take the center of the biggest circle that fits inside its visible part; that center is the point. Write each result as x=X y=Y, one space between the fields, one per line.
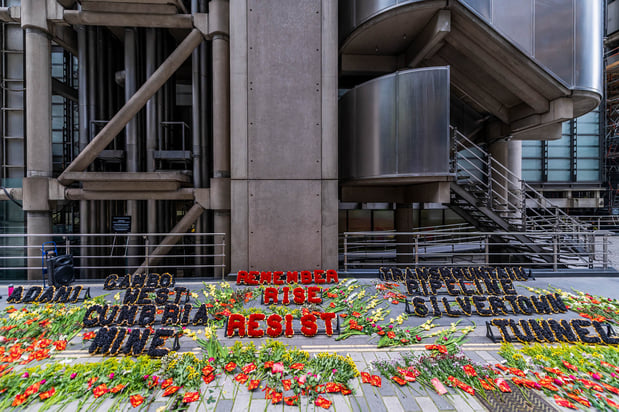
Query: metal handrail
x=98 y=255
x=560 y=220
x=559 y=249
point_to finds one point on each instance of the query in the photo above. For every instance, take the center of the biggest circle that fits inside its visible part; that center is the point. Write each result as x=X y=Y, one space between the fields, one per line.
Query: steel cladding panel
x=515 y=19
x=589 y=34
x=396 y=125
x=483 y=7
x=423 y=121
x=366 y=8
x=375 y=128
x=284 y=90
x=554 y=37
x=285 y=221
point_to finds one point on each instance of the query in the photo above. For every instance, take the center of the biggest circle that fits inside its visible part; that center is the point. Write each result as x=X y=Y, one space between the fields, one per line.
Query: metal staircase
x=493 y=199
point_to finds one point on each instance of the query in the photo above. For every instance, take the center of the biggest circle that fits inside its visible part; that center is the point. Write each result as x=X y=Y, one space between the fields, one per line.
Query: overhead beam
x=367 y=64
x=81 y=194
x=133 y=105
x=501 y=72
x=62 y=89
x=474 y=91
x=87 y=18
x=561 y=110
x=175 y=235
x=430 y=39
x=109 y=7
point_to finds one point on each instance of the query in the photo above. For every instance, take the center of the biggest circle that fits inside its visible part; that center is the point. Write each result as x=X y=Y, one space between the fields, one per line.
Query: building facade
x=277 y=124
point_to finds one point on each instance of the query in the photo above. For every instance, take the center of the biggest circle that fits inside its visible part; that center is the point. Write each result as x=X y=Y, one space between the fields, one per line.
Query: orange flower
x=44 y=343
x=136 y=400
x=60 y=344
x=166 y=383
x=47 y=394
x=207 y=370
x=322 y=402
x=356 y=314
x=241 y=378
x=171 y=390
x=276 y=397
x=32 y=389
x=208 y=378
x=230 y=366
x=287 y=384
x=291 y=400
x=391 y=335
x=469 y=370
x=117 y=388
x=19 y=399
x=89 y=335
x=91 y=381
x=399 y=380
x=297 y=366
x=253 y=384
x=100 y=390
x=191 y=397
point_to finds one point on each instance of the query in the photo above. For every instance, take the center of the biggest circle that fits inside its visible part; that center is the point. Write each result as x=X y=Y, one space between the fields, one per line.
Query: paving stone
x=460 y=404
x=257 y=405
x=441 y=401
x=288 y=408
x=373 y=398
x=387 y=388
x=242 y=400
x=358 y=404
x=228 y=388
x=306 y=406
x=426 y=404
x=224 y=405
x=393 y=404
x=487 y=356
x=369 y=357
x=473 y=403
x=475 y=357
x=407 y=399
x=355 y=385
x=340 y=403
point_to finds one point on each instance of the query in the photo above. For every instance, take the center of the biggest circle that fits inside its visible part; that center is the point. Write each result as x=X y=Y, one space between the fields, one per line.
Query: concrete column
x=499 y=153
x=38 y=129
x=404 y=223
x=221 y=117
x=514 y=164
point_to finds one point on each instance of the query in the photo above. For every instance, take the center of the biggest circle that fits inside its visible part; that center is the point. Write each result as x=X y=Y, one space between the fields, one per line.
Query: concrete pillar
x=219 y=10
x=284 y=188
x=404 y=223
x=38 y=129
x=499 y=153
x=507 y=187
x=514 y=164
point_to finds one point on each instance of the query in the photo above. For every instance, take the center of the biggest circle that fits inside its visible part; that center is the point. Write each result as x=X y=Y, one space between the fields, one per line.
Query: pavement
x=228 y=396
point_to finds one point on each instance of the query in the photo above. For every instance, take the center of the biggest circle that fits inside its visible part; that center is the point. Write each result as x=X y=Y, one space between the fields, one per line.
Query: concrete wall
x=283 y=57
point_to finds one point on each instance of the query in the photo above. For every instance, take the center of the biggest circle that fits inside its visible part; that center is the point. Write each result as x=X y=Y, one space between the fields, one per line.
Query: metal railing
x=478 y=169
x=369 y=250
x=98 y=255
